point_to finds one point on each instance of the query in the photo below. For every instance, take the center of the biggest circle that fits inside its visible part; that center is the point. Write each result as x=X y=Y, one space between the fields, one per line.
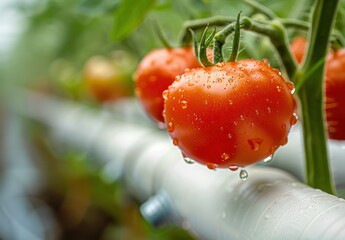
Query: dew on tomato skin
x=290 y=86
x=272 y=149
x=257 y=112
x=171 y=127
x=279 y=88
x=211 y=166
x=208 y=86
x=225 y=156
x=269 y=110
x=206 y=102
x=294 y=119
x=229 y=135
x=255 y=143
x=243 y=174
x=188 y=160
x=284 y=142
x=233 y=168
x=165 y=94
x=231 y=102
x=268 y=159
x=175 y=141
x=164 y=113
x=184 y=104
x=235 y=123
x=242 y=117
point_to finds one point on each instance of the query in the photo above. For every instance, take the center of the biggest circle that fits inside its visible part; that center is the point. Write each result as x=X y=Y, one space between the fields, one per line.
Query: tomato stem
x=311 y=97
x=200 y=24
x=261 y=9
x=236 y=40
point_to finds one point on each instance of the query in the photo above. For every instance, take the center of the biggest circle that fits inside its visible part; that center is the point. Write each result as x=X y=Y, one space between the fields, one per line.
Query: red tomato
x=104 y=80
x=298 y=47
x=156 y=72
x=335 y=97
x=230 y=114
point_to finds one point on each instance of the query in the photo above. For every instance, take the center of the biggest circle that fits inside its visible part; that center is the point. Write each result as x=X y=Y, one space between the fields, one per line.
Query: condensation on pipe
x=270 y=204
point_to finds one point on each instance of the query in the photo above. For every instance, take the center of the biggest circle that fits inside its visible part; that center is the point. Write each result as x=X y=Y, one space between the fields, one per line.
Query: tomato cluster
x=334 y=87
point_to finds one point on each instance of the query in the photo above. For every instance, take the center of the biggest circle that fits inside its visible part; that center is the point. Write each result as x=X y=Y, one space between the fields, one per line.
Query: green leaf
x=129 y=15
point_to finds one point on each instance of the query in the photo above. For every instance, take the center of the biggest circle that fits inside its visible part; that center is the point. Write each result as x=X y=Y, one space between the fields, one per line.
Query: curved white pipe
x=270 y=204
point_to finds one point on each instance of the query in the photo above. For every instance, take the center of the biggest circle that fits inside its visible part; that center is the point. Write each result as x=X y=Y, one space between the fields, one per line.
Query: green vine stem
x=200 y=24
x=311 y=97
x=272 y=29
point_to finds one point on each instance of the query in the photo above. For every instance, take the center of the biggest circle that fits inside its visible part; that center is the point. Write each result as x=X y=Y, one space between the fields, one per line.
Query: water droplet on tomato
x=284 y=141
x=235 y=123
x=272 y=149
x=163 y=113
x=184 y=104
x=171 y=127
x=230 y=102
x=268 y=159
x=257 y=112
x=165 y=94
x=255 y=143
x=208 y=86
x=243 y=174
x=293 y=119
x=206 y=102
x=233 y=168
x=242 y=117
x=175 y=141
x=229 y=135
x=279 y=88
x=290 y=86
x=219 y=80
x=269 y=110
x=225 y=156
x=211 y=166
x=241 y=75
x=188 y=160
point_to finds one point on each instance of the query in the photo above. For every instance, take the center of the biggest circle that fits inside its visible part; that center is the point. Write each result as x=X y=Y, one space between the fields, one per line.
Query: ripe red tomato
x=298 y=47
x=156 y=72
x=230 y=114
x=105 y=80
x=335 y=97
x=334 y=87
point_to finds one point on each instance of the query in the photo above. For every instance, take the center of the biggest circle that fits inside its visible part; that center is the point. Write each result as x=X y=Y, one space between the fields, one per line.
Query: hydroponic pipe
x=269 y=204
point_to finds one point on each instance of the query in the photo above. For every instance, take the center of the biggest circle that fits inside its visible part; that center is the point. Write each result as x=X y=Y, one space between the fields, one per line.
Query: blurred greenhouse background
x=48 y=46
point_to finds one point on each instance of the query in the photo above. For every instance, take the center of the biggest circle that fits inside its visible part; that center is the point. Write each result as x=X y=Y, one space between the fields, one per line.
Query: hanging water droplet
x=243 y=174
x=165 y=94
x=188 y=160
x=211 y=166
x=293 y=119
x=184 y=104
x=171 y=127
x=233 y=168
x=175 y=141
x=255 y=143
x=268 y=159
x=290 y=86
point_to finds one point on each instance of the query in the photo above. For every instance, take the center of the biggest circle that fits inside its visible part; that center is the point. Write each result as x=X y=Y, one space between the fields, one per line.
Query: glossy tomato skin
x=298 y=48
x=335 y=97
x=156 y=72
x=230 y=114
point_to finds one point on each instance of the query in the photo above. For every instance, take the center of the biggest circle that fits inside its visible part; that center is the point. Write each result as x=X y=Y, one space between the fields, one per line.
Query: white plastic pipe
x=270 y=204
